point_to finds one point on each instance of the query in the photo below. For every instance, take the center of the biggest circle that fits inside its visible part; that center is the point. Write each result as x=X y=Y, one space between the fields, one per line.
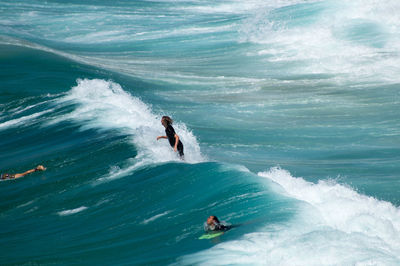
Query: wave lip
x=343 y=208
x=345 y=220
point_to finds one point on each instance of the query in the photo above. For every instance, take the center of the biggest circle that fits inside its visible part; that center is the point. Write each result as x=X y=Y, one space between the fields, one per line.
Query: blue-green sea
x=288 y=110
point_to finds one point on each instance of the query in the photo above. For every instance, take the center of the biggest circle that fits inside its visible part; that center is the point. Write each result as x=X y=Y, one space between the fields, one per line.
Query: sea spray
x=103 y=105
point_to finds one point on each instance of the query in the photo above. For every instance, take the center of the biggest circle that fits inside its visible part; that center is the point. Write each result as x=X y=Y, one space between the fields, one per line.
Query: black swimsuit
x=171 y=138
x=7 y=176
x=216 y=227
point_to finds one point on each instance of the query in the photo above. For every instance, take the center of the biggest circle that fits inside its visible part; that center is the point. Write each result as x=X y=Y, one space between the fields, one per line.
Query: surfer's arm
x=161 y=137
x=25 y=173
x=38 y=168
x=176 y=142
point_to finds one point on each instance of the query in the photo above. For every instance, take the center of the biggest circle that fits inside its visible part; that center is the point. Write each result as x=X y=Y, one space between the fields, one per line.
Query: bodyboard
x=211 y=235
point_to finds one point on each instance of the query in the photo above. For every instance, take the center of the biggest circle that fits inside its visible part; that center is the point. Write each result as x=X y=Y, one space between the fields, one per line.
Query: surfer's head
x=166 y=120
x=212 y=220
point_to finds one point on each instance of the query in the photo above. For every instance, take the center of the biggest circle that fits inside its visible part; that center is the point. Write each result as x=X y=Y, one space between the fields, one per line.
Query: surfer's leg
x=180 y=150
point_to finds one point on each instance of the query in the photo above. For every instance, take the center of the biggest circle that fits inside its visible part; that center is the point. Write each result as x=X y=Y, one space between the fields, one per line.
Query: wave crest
x=104 y=105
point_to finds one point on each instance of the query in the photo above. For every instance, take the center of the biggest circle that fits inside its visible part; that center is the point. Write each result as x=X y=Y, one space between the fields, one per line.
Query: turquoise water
x=288 y=112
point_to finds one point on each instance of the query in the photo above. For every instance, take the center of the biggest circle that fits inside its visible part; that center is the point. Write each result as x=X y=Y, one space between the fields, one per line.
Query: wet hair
x=215 y=218
x=167 y=119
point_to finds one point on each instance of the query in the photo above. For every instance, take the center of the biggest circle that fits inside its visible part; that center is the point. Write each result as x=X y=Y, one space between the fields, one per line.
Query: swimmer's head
x=212 y=220
x=40 y=168
x=166 y=120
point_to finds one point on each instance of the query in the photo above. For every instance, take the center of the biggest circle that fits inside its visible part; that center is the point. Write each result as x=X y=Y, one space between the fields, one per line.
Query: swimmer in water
x=14 y=176
x=172 y=137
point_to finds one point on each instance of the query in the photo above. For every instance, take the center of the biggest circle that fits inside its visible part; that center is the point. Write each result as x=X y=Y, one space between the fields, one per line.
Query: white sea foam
x=335 y=226
x=104 y=105
x=342 y=208
x=155 y=217
x=73 y=211
x=26 y=204
x=28 y=119
x=352 y=40
x=357 y=38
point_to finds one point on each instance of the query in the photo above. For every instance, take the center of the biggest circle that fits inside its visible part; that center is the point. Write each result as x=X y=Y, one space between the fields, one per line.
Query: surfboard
x=211 y=235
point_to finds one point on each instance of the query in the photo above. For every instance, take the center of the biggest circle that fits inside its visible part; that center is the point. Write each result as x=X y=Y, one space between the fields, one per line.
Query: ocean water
x=289 y=112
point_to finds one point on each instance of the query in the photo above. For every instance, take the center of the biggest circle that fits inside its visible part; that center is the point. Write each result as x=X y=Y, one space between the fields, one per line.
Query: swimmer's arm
x=161 y=137
x=38 y=168
x=176 y=142
x=25 y=173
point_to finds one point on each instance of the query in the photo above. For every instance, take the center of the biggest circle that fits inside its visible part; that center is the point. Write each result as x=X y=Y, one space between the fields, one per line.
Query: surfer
x=213 y=224
x=172 y=137
x=14 y=176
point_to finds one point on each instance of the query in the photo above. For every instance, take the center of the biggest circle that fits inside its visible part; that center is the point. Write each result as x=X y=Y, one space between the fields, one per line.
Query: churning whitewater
x=288 y=112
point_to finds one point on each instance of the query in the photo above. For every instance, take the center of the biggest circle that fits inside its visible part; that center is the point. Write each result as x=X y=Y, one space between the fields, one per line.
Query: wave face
x=336 y=226
x=288 y=111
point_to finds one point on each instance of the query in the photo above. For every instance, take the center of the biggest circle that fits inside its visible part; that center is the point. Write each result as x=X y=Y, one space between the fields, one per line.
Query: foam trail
x=335 y=226
x=104 y=105
x=155 y=217
x=19 y=110
x=23 y=120
x=73 y=211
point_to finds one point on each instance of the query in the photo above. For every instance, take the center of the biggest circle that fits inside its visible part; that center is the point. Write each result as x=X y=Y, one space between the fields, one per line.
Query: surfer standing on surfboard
x=172 y=137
